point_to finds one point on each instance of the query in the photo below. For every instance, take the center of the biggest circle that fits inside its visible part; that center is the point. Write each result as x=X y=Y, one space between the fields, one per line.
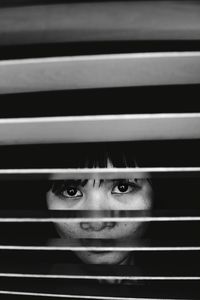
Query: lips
x=94 y=242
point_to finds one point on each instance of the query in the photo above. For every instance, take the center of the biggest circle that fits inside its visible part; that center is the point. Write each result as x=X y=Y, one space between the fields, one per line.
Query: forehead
x=85 y=182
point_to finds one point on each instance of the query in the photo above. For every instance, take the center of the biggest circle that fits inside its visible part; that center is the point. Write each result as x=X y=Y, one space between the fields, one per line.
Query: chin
x=102 y=257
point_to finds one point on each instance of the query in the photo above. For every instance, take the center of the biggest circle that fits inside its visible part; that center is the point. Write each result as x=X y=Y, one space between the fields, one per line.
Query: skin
x=102 y=195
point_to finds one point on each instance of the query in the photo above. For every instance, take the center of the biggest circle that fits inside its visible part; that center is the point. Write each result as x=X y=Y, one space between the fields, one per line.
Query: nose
x=96 y=226
x=97 y=199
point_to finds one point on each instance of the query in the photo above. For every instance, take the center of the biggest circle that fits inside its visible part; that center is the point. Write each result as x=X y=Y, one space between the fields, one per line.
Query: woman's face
x=101 y=195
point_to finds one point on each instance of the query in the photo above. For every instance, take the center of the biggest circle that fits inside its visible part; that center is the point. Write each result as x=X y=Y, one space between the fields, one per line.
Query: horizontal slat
x=99 y=128
x=72 y=296
x=100 y=272
x=100 y=277
x=97 y=290
x=100 y=245
x=99 y=215
x=97 y=173
x=110 y=20
x=99 y=71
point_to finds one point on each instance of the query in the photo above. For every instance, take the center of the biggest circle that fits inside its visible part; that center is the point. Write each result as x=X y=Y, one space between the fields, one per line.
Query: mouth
x=100 y=252
x=98 y=242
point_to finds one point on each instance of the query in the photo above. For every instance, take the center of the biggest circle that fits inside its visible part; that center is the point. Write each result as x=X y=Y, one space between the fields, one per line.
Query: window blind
x=40 y=147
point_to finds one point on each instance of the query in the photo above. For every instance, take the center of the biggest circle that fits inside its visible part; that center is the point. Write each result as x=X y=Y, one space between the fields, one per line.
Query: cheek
x=55 y=203
x=129 y=230
x=68 y=230
x=141 y=201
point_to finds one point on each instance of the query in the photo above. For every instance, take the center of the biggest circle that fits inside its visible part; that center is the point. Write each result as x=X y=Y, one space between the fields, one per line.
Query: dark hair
x=95 y=155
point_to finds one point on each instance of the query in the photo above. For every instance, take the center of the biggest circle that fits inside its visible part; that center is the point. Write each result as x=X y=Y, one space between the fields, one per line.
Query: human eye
x=71 y=192
x=125 y=187
x=68 y=190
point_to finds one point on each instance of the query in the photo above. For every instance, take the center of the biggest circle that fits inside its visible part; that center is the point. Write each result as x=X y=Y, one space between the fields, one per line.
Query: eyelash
x=59 y=189
x=131 y=187
x=67 y=189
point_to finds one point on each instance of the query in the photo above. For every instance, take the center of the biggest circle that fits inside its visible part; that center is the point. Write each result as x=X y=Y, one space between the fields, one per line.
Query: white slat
x=78 y=216
x=99 y=272
x=98 y=173
x=99 y=277
x=99 y=128
x=99 y=71
x=38 y=294
x=96 y=21
x=51 y=248
x=114 y=219
x=99 y=244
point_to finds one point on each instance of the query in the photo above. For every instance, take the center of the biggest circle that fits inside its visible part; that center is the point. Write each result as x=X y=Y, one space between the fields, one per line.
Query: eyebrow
x=78 y=182
x=57 y=185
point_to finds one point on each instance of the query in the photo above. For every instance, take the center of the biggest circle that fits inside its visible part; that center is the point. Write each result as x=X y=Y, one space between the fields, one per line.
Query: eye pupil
x=123 y=187
x=71 y=191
